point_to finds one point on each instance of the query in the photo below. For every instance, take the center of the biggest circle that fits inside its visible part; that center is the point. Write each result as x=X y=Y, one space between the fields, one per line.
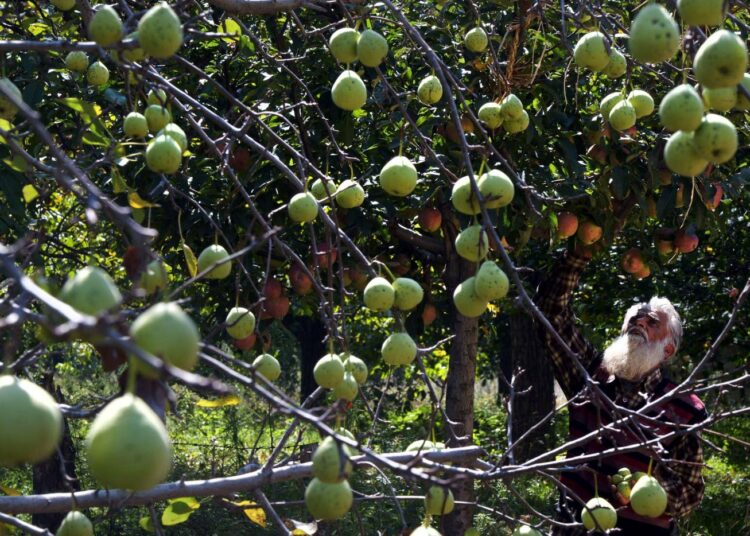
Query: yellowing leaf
x=191 y=502
x=16 y=163
x=192 y=262
x=302 y=529
x=229 y=400
x=229 y=26
x=492 y=308
x=136 y=201
x=29 y=193
x=11 y=492
x=256 y=514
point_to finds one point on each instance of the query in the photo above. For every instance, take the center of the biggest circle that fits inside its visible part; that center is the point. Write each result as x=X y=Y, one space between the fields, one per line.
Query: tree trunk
x=310 y=332
x=459 y=397
x=534 y=388
x=55 y=474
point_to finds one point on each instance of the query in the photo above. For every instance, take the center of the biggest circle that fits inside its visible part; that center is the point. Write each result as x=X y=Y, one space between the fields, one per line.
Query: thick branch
x=63 y=502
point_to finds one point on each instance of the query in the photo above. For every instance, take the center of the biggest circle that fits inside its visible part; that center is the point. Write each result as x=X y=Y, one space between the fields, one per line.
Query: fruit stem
x=130 y=386
x=596 y=484
x=179 y=225
x=650 y=464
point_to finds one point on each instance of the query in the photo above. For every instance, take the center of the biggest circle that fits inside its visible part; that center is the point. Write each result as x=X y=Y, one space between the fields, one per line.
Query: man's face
x=644 y=346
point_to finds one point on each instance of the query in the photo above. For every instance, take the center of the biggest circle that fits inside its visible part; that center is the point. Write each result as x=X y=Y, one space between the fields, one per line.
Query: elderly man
x=630 y=373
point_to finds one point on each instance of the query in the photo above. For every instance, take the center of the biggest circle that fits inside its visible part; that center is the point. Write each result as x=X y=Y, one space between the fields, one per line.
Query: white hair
x=674 y=322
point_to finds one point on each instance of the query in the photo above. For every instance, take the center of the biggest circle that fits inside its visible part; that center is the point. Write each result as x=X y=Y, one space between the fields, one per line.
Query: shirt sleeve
x=553 y=299
x=682 y=478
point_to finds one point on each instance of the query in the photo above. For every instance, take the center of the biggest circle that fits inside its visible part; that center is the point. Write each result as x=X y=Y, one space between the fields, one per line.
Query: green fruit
x=135 y=125
x=721 y=60
x=637 y=476
x=133 y=54
x=525 y=530
x=407 y=293
x=158 y=96
x=64 y=5
x=91 y=291
x=163 y=155
x=721 y=99
x=379 y=294
x=399 y=349
x=372 y=48
x=160 y=32
x=702 y=12
x=154 y=277
x=328 y=501
x=681 y=155
x=177 y=134
x=438 y=501
x=77 y=61
x=105 y=27
x=166 y=331
x=267 y=366
x=398 y=176
x=75 y=524
x=514 y=126
x=240 y=322
x=654 y=35
x=97 y=74
x=623 y=488
x=599 y=514
x=303 y=207
x=617 y=65
x=157 y=117
x=743 y=103
x=343 y=45
x=716 y=139
x=463 y=199
x=511 y=108
x=466 y=300
x=330 y=462
x=350 y=194
x=681 y=109
x=128 y=446
x=30 y=422
x=476 y=39
x=349 y=91
x=490 y=114
x=624 y=472
x=642 y=102
x=421 y=445
x=622 y=116
x=347 y=388
x=591 y=52
x=329 y=371
x=357 y=368
x=608 y=102
x=496 y=188
x=616 y=479
x=430 y=90
x=648 y=498
x=490 y=283
x=472 y=243
x=213 y=254
x=321 y=190
x=8 y=110
x=425 y=530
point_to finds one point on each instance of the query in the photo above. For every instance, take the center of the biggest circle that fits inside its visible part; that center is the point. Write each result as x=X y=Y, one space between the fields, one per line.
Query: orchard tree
x=382 y=179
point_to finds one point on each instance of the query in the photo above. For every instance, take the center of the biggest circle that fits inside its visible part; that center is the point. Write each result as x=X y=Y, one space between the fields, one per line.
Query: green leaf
x=96 y=133
x=179 y=510
x=29 y=193
x=146 y=524
x=118 y=183
x=229 y=26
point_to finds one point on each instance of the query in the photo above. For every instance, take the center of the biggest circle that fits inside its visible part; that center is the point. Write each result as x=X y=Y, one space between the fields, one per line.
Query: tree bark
x=310 y=333
x=534 y=389
x=459 y=397
x=58 y=473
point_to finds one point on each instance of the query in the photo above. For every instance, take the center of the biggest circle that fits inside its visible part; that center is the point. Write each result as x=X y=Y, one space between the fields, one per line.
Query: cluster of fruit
x=643 y=492
x=509 y=113
x=328 y=496
x=348 y=45
x=342 y=373
x=472 y=296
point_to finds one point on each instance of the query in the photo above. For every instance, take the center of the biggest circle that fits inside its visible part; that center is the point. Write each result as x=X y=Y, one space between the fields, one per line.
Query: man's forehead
x=646 y=310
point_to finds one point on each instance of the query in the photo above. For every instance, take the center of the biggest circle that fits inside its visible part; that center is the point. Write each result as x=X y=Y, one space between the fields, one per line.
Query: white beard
x=631 y=357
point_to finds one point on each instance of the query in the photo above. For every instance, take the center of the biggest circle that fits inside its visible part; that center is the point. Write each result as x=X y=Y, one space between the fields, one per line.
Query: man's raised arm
x=553 y=299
